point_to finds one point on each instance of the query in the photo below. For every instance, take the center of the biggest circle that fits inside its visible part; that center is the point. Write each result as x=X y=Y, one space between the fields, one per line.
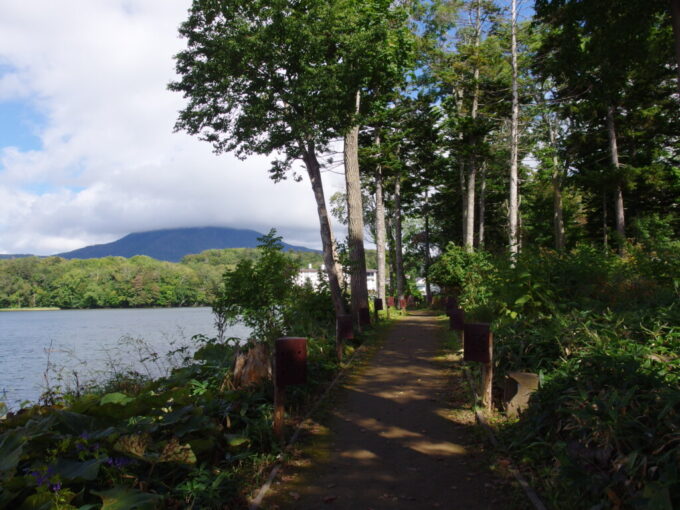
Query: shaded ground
x=398 y=439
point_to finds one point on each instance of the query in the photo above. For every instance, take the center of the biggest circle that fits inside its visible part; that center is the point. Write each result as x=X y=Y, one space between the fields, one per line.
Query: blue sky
x=20 y=124
x=87 y=149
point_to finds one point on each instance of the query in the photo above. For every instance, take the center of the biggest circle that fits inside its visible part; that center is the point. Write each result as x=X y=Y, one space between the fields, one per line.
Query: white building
x=311 y=275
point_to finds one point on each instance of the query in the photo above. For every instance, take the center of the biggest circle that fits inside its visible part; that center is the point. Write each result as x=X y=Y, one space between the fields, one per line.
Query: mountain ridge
x=173 y=244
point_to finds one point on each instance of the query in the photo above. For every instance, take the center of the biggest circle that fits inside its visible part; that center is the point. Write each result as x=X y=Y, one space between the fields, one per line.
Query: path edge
x=278 y=464
x=481 y=419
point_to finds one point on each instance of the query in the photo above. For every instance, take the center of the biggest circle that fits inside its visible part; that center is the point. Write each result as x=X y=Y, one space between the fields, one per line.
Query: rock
x=518 y=388
x=252 y=365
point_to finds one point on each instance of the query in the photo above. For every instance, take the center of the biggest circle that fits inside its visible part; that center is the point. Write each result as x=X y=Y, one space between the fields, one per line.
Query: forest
x=117 y=282
x=523 y=156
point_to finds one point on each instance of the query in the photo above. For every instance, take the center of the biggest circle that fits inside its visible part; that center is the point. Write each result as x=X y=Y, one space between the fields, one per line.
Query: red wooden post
x=290 y=367
x=377 y=306
x=344 y=330
x=478 y=346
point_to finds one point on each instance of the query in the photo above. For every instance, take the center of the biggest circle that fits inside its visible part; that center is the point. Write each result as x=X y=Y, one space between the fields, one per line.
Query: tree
x=600 y=53
x=283 y=76
x=254 y=293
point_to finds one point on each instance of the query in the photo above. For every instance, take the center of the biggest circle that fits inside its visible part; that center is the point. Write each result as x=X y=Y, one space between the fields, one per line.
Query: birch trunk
x=380 y=232
x=327 y=241
x=355 y=216
x=399 y=255
x=513 y=205
x=619 y=213
x=482 y=208
x=472 y=161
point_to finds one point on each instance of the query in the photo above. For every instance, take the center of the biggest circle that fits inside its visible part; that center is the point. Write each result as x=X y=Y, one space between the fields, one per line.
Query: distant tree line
x=117 y=282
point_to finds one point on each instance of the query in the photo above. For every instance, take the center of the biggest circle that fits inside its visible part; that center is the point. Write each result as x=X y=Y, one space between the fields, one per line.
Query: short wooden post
x=344 y=330
x=279 y=402
x=487 y=377
x=478 y=346
x=377 y=306
x=290 y=367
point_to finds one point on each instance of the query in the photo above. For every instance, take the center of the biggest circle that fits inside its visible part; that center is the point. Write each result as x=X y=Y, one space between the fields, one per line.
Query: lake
x=91 y=344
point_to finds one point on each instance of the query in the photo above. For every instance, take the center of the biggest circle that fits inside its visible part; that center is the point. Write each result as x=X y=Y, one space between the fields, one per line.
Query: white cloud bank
x=109 y=164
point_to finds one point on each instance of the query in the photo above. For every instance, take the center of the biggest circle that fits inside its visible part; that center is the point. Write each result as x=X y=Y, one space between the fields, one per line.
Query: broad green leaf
x=115 y=398
x=42 y=501
x=236 y=440
x=520 y=301
x=124 y=498
x=72 y=470
x=11 y=446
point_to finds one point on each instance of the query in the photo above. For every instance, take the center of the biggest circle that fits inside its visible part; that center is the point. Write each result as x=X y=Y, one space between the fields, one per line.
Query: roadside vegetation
x=193 y=439
x=603 y=333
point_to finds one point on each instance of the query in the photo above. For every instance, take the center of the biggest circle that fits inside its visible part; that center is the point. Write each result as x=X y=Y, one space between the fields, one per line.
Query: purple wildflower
x=55 y=487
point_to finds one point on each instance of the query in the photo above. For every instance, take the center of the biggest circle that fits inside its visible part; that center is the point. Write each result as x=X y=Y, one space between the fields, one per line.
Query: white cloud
x=110 y=163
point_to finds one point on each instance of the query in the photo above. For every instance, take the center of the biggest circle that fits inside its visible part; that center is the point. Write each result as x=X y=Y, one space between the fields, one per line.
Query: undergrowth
x=603 y=333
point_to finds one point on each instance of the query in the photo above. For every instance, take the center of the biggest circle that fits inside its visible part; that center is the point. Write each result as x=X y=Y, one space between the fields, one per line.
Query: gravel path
x=395 y=443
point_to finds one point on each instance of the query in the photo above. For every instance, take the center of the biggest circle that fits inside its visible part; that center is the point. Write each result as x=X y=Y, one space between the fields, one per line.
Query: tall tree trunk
x=619 y=213
x=482 y=208
x=392 y=250
x=513 y=204
x=469 y=239
x=675 y=14
x=463 y=195
x=428 y=289
x=355 y=221
x=558 y=208
x=380 y=231
x=399 y=254
x=327 y=241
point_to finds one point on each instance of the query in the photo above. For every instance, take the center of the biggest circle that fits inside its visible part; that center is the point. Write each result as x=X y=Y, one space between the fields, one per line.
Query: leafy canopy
x=279 y=75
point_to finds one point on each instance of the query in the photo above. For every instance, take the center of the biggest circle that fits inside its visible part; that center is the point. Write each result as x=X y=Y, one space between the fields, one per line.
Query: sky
x=87 y=148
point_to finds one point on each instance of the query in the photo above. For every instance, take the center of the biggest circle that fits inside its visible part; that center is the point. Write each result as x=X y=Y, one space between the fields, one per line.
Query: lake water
x=91 y=344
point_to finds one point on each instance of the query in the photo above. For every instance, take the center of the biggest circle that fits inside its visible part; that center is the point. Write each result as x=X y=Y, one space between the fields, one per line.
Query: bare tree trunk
x=463 y=194
x=399 y=254
x=327 y=241
x=675 y=14
x=428 y=289
x=618 y=204
x=482 y=208
x=513 y=204
x=391 y=248
x=355 y=221
x=380 y=231
x=558 y=208
x=469 y=239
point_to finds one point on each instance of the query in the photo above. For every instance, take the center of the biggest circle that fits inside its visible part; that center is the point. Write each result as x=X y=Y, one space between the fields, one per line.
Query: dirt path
x=395 y=443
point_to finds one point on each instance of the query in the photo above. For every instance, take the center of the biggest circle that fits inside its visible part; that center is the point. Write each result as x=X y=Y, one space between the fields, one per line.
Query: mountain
x=14 y=256
x=173 y=244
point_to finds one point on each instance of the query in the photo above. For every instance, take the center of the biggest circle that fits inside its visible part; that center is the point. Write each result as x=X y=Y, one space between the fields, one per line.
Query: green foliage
x=116 y=282
x=602 y=332
x=255 y=294
x=181 y=441
x=470 y=275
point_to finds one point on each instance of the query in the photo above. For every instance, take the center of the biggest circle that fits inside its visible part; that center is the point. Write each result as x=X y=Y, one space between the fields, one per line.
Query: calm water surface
x=91 y=343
